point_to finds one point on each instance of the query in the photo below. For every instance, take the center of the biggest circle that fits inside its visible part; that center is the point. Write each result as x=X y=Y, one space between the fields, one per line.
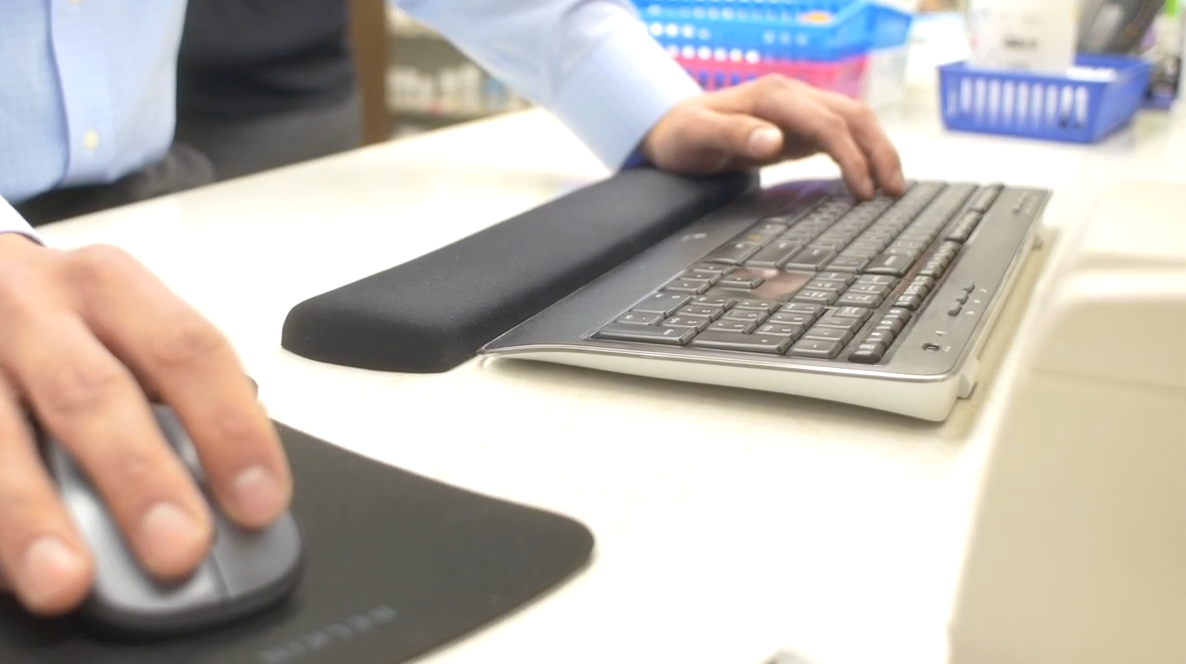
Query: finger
x=872 y=139
x=42 y=557
x=196 y=372
x=88 y=401
x=800 y=114
x=704 y=141
x=734 y=137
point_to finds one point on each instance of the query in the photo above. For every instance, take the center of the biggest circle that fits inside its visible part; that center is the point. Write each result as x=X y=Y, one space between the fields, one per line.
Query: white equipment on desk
x=1077 y=553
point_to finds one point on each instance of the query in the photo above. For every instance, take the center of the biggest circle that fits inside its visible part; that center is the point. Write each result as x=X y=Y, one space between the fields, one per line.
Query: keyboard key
x=826 y=284
x=875 y=289
x=933 y=268
x=848 y=263
x=813 y=310
x=984 y=198
x=694 y=322
x=889 y=264
x=750 y=343
x=846 y=325
x=746 y=315
x=663 y=303
x=758 y=305
x=780 y=330
x=948 y=251
x=720 y=270
x=850 y=299
x=879 y=279
x=760 y=235
x=856 y=313
x=829 y=334
x=791 y=319
x=909 y=253
x=868 y=353
x=734 y=253
x=916 y=290
x=774 y=255
x=687 y=286
x=668 y=336
x=928 y=282
x=816 y=296
x=713 y=301
x=639 y=318
x=911 y=302
x=743 y=282
x=962 y=229
x=835 y=244
x=837 y=276
x=811 y=258
x=903 y=315
x=771 y=228
x=885 y=336
x=712 y=313
x=732 y=326
x=815 y=349
x=696 y=275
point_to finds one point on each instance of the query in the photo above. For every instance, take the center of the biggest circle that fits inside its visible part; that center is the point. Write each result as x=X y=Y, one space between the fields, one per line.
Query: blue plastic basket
x=1055 y=108
x=787 y=30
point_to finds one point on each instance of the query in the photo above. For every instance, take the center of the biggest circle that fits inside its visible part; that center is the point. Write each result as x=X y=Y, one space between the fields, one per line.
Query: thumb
x=708 y=142
x=743 y=137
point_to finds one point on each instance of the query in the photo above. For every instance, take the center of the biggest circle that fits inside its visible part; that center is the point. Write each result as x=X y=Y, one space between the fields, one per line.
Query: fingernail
x=170 y=535
x=50 y=569
x=259 y=497
x=765 y=141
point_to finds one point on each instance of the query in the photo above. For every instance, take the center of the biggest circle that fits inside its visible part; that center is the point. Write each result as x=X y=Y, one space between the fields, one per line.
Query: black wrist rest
x=433 y=313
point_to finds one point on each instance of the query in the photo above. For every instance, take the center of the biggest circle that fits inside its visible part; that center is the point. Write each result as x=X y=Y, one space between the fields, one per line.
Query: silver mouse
x=244 y=573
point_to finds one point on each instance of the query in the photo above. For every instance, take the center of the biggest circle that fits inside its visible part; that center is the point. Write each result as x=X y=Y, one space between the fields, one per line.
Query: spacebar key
x=668 y=336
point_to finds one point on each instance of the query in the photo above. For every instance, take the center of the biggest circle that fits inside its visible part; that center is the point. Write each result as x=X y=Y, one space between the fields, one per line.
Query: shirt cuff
x=621 y=89
x=12 y=222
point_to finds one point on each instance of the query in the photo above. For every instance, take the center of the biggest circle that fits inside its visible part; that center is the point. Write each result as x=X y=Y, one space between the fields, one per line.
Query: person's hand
x=87 y=339
x=772 y=119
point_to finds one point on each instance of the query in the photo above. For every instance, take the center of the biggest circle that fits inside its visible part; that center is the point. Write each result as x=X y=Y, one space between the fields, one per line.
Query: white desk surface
x=728 y=524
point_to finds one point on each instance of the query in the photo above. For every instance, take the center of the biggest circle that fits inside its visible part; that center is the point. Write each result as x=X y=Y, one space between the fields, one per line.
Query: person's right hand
x=87 y=338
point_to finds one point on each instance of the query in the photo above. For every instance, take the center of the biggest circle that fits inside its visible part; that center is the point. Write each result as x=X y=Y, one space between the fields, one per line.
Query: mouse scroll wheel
x=180 y=440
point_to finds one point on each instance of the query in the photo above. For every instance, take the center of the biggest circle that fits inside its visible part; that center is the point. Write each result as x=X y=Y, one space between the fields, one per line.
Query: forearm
x=590 y=62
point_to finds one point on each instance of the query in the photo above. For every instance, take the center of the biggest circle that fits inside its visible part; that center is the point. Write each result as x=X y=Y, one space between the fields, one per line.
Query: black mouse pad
x=398 y=565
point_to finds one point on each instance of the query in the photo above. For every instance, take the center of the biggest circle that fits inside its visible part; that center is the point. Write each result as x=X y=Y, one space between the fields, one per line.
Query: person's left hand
x=772 y=119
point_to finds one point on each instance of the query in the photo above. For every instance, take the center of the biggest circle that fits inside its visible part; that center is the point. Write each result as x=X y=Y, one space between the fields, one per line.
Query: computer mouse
x=244 y=573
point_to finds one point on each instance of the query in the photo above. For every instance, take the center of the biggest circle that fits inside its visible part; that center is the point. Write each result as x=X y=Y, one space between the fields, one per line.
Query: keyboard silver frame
x=923 y=396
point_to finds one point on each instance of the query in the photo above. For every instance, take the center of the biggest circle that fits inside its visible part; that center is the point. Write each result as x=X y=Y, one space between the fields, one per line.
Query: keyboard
x=800 y=289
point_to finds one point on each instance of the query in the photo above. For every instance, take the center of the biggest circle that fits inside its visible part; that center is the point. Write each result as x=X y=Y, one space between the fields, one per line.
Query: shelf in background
x=430 y=84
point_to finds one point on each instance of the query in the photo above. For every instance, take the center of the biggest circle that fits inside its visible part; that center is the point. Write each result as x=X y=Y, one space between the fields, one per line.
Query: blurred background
x=414 y=81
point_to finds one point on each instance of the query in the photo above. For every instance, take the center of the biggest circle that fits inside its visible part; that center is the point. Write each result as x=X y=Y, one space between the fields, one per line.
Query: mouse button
x=121 y=583
x=251 y=561
x=122 y=586
x=179 y=438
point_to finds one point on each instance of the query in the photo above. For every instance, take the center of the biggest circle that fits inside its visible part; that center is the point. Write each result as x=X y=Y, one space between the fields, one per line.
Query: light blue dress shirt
x=87 y=86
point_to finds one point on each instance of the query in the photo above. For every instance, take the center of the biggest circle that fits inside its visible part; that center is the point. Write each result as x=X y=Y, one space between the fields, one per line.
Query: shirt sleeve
x=592 y=63
x=12 y=222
